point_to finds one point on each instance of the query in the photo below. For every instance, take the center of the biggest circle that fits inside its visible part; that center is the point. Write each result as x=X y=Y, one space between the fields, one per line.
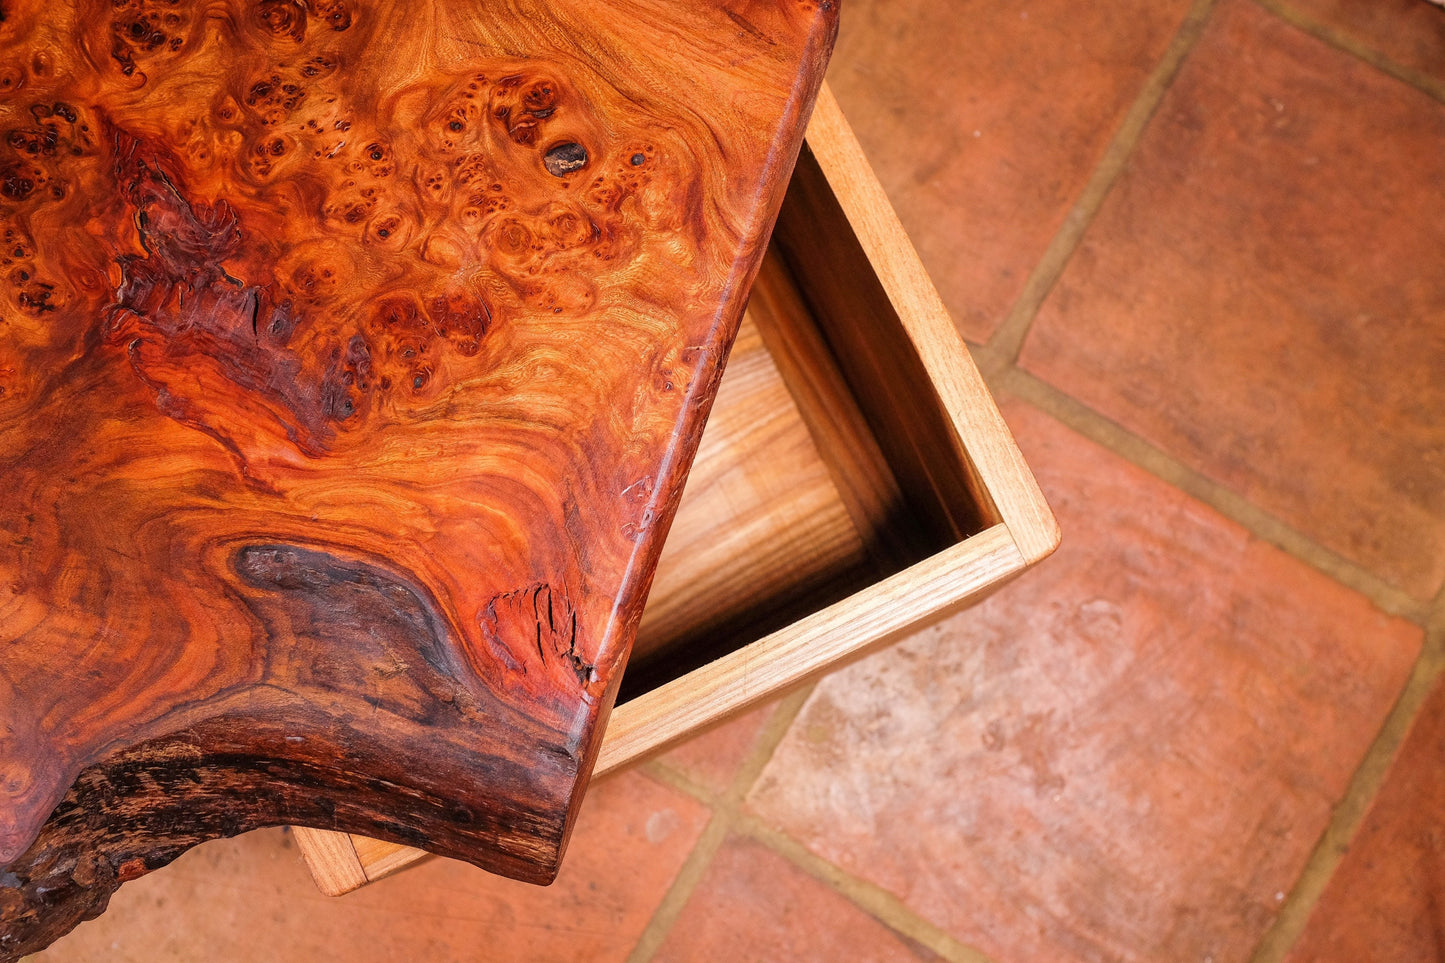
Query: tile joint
x=1359 y=49
x=1354 y=807
x=731 y=819
x=1007 y=340
x=1138 y=451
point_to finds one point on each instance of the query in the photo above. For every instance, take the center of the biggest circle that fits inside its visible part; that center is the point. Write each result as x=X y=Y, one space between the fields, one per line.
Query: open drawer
x=854 y=483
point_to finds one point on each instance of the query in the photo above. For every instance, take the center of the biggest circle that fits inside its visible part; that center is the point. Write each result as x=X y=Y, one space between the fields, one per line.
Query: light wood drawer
x=854 y=483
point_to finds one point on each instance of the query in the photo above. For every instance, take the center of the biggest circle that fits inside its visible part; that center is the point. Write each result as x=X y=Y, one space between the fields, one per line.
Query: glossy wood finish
x=352 y=356
x=910 y=501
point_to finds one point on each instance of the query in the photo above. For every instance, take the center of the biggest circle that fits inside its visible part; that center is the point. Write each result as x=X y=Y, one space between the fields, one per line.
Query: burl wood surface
x=352 y=356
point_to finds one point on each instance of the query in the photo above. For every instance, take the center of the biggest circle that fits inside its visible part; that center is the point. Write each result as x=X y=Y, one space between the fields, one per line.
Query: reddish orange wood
x=352 y=356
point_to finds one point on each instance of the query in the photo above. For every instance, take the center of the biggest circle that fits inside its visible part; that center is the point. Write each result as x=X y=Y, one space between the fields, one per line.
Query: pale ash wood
x=978 y=426
x=333 y=859
x=839 y=235
x=760 y=517
x=826 y=404
x=380 y=858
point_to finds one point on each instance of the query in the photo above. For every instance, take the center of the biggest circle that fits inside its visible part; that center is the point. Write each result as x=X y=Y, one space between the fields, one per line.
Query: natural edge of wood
x=981 y=429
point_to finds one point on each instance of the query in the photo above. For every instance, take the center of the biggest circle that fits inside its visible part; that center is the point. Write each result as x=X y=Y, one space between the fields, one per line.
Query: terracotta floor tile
x=1129 y=754
x=985 y=119
x=1262 y=296
x=1386 y=901
x=251 y=899
x=755 y=905
x=712 y=760
x=1409 y=32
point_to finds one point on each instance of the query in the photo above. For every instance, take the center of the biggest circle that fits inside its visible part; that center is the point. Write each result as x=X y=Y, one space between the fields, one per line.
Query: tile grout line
x=1007 y=340
x=875 y=901
x=1343 y=42
x=782 y=719
x=872 y=899
x=768 y=739
x=1234 y=506
x=998 y=361
x=678 y=894
x=724 y=812
x=729 y=818
x=1354 y=806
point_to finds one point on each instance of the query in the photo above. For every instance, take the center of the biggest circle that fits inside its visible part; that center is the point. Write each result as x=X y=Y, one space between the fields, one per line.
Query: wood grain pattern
x=857 y=267
x=352 y=356
x=830 y=411
x=909 y=477
x=760 y=524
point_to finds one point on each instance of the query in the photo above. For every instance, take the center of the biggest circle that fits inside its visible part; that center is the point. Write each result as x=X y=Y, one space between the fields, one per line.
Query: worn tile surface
x=251 y=899
x=1387 y=899
x=1262 y=295
x=755 y=905
x=984 y=120
x=1409 y=32
x=1127 y=755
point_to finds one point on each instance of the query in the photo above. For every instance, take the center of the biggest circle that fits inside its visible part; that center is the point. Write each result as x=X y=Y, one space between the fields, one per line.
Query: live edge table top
x=352 y=357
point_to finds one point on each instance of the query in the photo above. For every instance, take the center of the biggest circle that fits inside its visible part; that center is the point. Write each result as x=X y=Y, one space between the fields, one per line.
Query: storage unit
x=855 y=483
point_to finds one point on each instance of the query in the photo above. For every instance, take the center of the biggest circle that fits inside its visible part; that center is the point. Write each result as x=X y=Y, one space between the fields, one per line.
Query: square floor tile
x=1386 y=900
x=984 y=120
x=755 y=905
x=1262 y=293
x=1129 y=754
x=251 y=899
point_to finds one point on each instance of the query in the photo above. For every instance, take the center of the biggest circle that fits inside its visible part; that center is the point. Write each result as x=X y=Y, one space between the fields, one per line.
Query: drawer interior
x=828 y=461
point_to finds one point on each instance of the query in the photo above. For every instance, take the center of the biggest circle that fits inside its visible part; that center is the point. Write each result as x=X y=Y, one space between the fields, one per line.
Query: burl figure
x=352 y=356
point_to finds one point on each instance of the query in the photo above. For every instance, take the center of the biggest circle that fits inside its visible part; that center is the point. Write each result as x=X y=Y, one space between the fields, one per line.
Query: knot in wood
x=564 y=159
